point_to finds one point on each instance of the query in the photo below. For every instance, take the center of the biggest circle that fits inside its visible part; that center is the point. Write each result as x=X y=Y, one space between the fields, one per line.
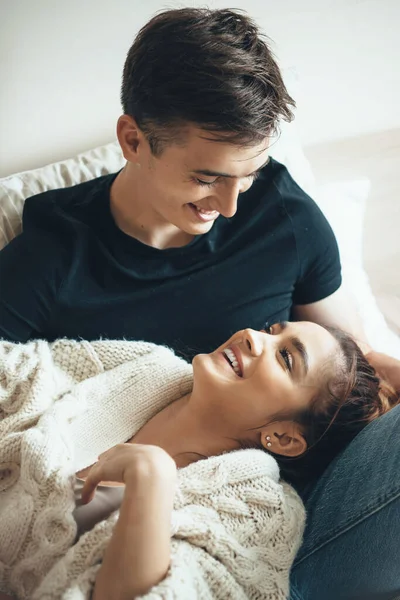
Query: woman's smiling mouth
x=232 y=359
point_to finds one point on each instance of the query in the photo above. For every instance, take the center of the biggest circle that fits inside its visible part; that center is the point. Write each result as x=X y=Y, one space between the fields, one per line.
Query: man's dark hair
x=207 y=67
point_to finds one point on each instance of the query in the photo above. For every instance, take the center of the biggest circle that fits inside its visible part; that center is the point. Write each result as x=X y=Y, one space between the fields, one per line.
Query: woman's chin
x=214 y=370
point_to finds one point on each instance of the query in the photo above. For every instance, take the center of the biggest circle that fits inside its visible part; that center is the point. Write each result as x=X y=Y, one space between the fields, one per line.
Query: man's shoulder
x=64 y=204
x=291 y=195
x=275 y=187
x=295 y=203
x=277 y=202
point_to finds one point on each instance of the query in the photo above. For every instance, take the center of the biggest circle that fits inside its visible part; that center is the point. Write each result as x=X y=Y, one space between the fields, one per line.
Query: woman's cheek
x=269 y=385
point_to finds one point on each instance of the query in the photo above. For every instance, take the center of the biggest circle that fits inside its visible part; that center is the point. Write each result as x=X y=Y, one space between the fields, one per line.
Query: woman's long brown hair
x=353 y=397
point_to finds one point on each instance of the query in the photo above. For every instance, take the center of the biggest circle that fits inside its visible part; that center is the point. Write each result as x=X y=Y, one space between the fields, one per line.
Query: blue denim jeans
x=351 y=547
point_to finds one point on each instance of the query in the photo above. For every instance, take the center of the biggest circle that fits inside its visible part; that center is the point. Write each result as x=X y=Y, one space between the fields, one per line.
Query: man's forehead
x=207 y=154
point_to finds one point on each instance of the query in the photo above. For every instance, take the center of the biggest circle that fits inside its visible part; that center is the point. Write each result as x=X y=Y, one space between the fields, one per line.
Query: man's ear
x=284 y=437
x=130 y=138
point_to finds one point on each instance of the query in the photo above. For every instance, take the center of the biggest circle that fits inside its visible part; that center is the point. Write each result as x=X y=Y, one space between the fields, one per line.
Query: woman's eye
x=201 y=182
x=287 y=357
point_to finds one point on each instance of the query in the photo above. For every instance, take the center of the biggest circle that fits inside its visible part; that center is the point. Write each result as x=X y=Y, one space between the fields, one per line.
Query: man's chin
x=197 y=223
x=197 y=228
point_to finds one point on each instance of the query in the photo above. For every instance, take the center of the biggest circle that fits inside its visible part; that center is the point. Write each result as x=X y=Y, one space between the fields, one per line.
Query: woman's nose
x=253 y=341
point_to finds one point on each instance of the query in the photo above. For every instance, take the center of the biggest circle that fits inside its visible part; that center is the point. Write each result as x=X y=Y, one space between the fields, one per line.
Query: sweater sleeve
x=194 y=573
x=236 y=533
x=81 y=360
x=23 y=369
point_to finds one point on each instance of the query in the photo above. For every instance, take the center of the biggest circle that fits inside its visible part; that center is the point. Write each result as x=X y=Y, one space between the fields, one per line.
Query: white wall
x=61 y=63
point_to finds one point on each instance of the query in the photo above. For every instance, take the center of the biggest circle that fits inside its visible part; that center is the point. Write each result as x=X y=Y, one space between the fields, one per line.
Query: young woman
x=221 y=527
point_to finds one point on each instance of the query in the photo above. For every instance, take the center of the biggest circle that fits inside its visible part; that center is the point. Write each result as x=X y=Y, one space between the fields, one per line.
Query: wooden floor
x=377 y=157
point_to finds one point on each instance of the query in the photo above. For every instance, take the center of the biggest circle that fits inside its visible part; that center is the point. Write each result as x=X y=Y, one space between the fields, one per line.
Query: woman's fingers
x=110 y=467
x=110 y=451
x=92 y=481
x=125 y=463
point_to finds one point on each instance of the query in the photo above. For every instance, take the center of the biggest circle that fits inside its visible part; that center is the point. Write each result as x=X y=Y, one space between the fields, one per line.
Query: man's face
x=190 y=185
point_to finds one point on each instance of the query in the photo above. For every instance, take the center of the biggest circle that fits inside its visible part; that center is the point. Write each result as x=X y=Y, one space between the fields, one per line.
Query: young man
x=200 y=234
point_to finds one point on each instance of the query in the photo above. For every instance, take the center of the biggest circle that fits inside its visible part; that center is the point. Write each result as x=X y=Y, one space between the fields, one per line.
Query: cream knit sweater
x=235 y=528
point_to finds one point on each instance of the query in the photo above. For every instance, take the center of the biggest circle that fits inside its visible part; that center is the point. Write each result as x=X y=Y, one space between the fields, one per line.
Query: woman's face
x=257 y=375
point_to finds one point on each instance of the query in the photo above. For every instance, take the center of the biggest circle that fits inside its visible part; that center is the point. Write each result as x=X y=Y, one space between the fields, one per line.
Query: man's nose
x=228 y=197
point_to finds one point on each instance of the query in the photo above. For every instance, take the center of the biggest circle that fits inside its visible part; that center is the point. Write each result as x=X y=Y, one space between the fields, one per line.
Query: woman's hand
x=127 y=464
x=138 y=555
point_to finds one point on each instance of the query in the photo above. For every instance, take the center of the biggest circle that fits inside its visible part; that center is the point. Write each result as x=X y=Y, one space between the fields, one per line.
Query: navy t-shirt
x=73 y=273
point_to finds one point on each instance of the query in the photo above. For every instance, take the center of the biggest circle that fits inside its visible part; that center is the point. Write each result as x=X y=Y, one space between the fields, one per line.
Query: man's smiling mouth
x=232 y=360
x=202 y=214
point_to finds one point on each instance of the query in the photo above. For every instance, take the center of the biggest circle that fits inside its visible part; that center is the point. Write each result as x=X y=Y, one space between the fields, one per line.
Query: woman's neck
x=185 y=435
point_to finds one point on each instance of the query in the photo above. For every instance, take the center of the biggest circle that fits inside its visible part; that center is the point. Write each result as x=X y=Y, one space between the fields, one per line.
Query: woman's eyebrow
x=300 y=347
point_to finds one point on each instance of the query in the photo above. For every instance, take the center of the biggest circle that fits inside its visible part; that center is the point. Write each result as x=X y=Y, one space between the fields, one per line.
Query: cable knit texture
x=235 y=528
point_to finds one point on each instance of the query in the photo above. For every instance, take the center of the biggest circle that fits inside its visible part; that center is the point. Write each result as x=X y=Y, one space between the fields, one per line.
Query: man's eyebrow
x=300 y=347
x=210 y=173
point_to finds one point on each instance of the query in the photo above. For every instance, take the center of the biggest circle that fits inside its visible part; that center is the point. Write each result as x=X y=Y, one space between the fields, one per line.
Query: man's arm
x=29 y=281
x=338 y=310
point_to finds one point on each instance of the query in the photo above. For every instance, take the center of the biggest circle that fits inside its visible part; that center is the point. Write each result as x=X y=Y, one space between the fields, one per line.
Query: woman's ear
x=285 y=438
x=130 y=137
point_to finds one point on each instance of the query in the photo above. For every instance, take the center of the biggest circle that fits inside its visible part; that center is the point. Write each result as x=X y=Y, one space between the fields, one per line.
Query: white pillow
x=343 y=204
x=15 y=189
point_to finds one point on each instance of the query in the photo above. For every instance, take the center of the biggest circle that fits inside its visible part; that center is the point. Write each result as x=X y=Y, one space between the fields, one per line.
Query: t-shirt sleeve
x=318 y=256
x=29 y=281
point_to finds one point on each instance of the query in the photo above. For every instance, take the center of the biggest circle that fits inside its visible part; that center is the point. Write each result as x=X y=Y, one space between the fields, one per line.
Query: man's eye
x=255 y=176
x=208 y=183
x=287 y=357
x=198 y=181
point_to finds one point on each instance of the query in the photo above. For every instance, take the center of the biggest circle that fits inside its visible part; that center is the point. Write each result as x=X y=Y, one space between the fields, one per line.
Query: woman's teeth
x=230 y=355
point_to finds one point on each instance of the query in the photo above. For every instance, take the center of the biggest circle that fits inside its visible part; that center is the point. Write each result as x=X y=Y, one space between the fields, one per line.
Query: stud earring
x=268 y=441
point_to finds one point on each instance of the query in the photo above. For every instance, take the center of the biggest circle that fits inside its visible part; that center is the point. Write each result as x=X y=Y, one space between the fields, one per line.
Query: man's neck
x=134 y=217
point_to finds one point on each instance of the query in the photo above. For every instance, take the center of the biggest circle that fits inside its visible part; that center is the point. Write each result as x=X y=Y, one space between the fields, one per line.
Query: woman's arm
x=138 y=555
